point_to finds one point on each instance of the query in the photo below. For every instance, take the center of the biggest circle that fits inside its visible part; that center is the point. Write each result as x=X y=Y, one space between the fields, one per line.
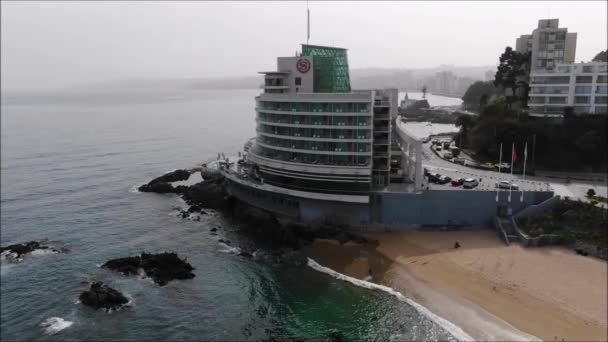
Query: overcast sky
x=55 y=44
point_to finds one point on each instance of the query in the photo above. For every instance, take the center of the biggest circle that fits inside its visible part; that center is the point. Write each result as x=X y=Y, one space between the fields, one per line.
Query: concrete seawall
x=391 y=210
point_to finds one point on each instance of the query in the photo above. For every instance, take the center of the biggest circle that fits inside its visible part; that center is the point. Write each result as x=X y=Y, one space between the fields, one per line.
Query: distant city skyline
x=57 y=44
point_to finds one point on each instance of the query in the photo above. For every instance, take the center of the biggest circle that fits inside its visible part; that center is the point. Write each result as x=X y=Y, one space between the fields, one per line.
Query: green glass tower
x=330 y=68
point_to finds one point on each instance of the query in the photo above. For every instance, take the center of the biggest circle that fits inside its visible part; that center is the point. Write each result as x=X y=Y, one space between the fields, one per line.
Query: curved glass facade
x=311 y=157
x=319 y=133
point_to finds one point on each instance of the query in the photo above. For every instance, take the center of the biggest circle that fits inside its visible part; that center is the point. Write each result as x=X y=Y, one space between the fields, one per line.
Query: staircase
x=508 y=228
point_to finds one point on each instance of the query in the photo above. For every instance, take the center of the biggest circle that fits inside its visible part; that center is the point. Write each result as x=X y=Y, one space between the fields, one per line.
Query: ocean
x=70 y=163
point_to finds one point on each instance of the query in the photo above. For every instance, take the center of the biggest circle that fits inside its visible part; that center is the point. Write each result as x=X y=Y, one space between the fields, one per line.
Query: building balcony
x=336 y=152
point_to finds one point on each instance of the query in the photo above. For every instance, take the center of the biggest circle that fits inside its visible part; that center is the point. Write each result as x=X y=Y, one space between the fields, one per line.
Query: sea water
x=70 y=164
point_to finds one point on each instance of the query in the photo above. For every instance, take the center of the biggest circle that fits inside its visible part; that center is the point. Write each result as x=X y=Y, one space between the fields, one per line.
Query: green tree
x=511 y=74
x=465 y=122
x=602 y=56
x=477 y=91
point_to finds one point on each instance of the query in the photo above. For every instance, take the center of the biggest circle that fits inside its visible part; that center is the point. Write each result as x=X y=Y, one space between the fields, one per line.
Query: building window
x=584 y=79
x=602 y=79
x=298 y=81
x=557 y=100
x=564 y=69
x=581 y=99
x=601 y=100
x=587 y=68
x=601 y=90
x=582 y=89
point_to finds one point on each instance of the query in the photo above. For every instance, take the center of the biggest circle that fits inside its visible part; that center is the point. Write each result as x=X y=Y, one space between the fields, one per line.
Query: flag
x=514 y=156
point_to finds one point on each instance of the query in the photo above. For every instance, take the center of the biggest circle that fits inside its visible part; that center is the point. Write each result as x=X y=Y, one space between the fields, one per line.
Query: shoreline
x=491 y=291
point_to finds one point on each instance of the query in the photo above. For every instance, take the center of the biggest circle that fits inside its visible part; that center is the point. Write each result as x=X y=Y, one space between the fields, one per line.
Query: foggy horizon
x=63 y=44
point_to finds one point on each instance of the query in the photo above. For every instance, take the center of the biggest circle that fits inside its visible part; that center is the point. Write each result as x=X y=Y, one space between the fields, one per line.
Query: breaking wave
x=53 y=325
x=450 y=327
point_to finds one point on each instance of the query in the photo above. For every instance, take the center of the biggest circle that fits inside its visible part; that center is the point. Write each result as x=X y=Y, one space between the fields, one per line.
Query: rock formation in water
x=209 y=193
x=206 y=194
x=161 y=184
x=161 y=267
x=100 y=295
x=17 y=251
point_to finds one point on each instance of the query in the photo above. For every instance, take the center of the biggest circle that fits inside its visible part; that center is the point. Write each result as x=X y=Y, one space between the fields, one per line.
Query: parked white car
x=505 y=184
x=470 y=183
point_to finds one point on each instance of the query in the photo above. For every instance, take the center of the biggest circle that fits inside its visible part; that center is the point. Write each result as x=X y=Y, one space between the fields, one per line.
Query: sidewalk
x=584 y=176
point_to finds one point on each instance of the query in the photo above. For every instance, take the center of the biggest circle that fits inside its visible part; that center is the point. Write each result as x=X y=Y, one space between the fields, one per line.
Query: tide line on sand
x=450 y=327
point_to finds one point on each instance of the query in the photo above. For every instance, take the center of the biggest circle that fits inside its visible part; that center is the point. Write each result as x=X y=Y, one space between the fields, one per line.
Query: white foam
x=229 y=249
x=10 y=257
x=53 y=325
x=450 y=327
x=135 y=189
x=47 y=251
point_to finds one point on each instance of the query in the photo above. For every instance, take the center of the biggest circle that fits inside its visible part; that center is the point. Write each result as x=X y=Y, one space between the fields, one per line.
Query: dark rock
x=224 y=241
x=180 y=189
x=174 y=176
x=160 y=188
x=246 y=254
x=162 y=267
x=195 y=208
x=102 y=296
x=196 y=218
x=21 y=248
x=456 y=245
x=18 y=250
x=161 y=184
x=126 y=266
x=208 y=194
x=184 y=213
x=213 y=229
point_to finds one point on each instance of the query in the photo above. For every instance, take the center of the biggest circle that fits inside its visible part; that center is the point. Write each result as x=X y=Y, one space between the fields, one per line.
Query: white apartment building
x=550 y=45
x=582 y=86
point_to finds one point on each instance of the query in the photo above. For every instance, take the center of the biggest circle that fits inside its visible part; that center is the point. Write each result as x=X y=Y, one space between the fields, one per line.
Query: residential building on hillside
x=581 y=86
x=549 y=45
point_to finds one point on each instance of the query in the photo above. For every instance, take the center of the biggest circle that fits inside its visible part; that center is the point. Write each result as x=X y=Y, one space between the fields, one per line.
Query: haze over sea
x=69 y=162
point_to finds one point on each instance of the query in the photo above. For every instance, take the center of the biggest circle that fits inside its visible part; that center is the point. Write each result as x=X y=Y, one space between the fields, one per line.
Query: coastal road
x=574 y=189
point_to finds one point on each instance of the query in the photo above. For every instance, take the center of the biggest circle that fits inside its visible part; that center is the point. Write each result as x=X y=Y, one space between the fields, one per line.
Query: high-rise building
x=315 y=133
x=581 y=86
x=549 y=44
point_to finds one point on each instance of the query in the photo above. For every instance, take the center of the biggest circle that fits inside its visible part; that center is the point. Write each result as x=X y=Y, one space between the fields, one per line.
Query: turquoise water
x=69 y=162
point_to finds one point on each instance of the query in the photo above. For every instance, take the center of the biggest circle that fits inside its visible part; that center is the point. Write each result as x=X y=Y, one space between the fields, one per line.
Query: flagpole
x=307 y=23
x=499 y=162
x=524 y=175
x=512 y=159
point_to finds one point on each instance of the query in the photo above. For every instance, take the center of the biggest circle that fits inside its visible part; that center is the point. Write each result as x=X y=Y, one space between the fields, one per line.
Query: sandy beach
x=492 y=291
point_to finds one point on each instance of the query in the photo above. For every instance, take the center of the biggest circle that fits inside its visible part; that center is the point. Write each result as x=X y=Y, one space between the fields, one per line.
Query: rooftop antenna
x=307 y=23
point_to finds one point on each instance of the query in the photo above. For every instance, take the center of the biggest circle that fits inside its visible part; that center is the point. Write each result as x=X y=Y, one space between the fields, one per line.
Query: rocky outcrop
x=100 y=295
x=17 y=251
x=207 y=194
x=161 y=267
x=159 y=188
x=173 y=176
x=161 y=184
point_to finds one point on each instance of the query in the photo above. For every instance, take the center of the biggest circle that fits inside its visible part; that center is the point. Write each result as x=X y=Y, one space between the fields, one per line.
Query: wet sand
x=492 y=291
